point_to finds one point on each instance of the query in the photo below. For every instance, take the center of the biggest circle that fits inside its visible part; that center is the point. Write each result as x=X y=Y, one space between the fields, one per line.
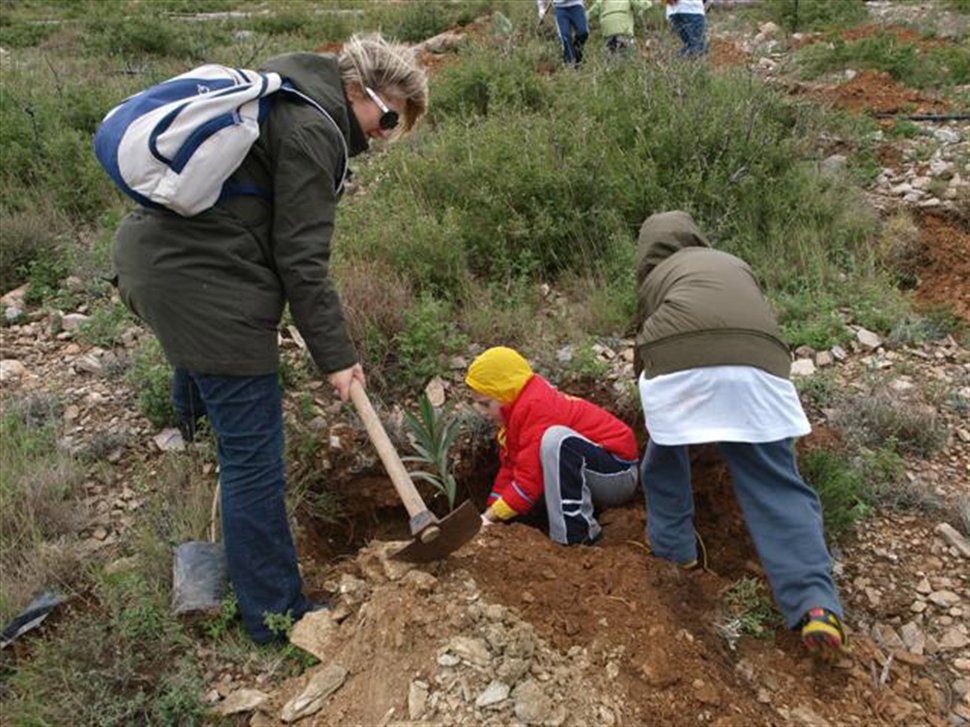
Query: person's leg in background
x=577 y=476
x=695 y=34
x=565 y=28
x=580 y=30
x=679 y=25
x=665 y=477
x=247 y=416
x=785 y=520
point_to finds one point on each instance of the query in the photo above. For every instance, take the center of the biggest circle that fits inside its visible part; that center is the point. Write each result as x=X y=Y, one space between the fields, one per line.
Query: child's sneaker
x=823 y=634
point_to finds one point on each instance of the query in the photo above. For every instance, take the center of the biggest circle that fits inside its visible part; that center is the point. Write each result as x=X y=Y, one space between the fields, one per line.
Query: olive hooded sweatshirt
x=698 y=306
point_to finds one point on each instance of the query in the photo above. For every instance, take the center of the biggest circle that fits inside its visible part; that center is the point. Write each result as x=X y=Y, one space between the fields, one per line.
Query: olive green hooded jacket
x=212 y=287
x=698 y=306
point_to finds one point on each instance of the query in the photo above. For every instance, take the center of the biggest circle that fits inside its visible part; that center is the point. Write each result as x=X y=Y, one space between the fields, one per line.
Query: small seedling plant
x=433 y=434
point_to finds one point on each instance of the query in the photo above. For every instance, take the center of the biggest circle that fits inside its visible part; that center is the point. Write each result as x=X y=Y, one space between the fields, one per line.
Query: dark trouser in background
x=692 y=29
x=782 y=512
x=578 y=476
x=573 y=32
x=246 y=414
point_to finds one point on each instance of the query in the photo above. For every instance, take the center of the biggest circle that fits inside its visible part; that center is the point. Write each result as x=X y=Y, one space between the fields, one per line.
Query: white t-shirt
x=721 y=404
x=694 y=7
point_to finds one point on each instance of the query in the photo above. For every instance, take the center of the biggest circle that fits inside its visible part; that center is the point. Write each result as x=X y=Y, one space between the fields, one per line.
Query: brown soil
x=902 y=35
x=725 y=53
x=653 y=620
x=877 y=92
x=945 y=275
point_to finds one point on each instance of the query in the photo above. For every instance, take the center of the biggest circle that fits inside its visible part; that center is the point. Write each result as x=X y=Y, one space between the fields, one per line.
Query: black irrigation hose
x=922 y=117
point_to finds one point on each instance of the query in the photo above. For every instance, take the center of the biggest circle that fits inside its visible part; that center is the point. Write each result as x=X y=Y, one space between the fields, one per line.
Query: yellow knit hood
x=499 y=373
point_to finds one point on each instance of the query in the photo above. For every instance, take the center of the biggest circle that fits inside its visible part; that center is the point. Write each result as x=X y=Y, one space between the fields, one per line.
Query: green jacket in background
x=698 y=306
x=616 y=16
x=213 y=287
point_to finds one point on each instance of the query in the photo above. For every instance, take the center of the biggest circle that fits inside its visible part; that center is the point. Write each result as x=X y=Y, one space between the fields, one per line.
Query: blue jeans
x=692 y=29
x=783 y=515
x=573 y=32
x=246 y=414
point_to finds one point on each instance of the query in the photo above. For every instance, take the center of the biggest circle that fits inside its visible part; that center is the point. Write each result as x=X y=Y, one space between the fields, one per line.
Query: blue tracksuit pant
x=783 y=515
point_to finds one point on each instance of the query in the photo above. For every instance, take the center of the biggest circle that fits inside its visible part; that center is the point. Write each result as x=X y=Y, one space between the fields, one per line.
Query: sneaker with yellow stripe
x=823 y=633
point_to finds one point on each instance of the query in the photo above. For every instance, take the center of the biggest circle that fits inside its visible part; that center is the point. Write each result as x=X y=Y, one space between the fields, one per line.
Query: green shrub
x=106 y=324
x=808 y=15
x=428 y=333
x=933 y=67
x=840 y=487
x=151 y=379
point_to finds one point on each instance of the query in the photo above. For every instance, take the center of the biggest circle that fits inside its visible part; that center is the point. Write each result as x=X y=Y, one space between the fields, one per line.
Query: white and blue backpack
x=175 y=144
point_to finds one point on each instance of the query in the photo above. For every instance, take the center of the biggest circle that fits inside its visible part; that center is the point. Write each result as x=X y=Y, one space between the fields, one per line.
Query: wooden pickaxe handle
x=423 y=522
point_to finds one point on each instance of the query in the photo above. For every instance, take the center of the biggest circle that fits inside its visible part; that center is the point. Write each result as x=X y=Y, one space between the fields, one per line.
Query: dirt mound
x=877 y=92
x=944 y=275
x=726 y=53
x=514 y=629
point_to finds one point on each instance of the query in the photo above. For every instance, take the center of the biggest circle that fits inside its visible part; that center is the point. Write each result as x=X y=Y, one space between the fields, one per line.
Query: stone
x=12 y=313
x=472 y=650
x=494 y=693
x=803 y=367
x=886 y=636
x=946 y=136
x=961 y=687
x=72 y=322
x=868 y=340
x=314 y=633
x=241 y=700
x=823 y=359
x=435 y=391
x=565 y=354
x=532 y=706
x=169 y=440
x=90 y=364
x=417 y=699
x=839 y=353
x=833 y=165
x=448 y=659
x=902 y=385
x=419 y=580
x=954 y=538
x=913 y=637
x=944 y=598
x=805 y=716
x=11 y=370
x=322 y=684
x=768 y=29
x=953 y=639
x=962 y=664
x=924 y=587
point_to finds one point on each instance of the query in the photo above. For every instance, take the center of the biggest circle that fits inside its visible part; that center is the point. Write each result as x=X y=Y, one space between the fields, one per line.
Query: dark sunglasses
x=389 y=117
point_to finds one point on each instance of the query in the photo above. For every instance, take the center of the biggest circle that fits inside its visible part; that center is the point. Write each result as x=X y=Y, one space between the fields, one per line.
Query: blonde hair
x=369 y=60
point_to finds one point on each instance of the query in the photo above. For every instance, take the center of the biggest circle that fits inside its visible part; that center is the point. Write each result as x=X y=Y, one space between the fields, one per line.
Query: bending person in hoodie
x=213 y=287
x=558 y=450
x=713 y=368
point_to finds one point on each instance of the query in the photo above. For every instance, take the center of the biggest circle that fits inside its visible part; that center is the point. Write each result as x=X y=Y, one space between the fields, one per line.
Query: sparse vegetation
x=879 y=417
x=748 y=611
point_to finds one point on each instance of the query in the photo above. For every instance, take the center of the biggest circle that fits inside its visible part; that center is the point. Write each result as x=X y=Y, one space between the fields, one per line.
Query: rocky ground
x=514 y=630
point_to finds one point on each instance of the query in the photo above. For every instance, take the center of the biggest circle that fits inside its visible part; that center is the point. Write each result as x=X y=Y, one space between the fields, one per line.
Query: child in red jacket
x=553 y=446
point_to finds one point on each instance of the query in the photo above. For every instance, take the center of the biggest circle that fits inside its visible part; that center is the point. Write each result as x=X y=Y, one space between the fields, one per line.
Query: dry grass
x=41 y=506
x=873 y=420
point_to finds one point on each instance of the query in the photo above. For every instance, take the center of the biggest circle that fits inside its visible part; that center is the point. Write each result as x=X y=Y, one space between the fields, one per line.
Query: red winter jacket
x=538 y=407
